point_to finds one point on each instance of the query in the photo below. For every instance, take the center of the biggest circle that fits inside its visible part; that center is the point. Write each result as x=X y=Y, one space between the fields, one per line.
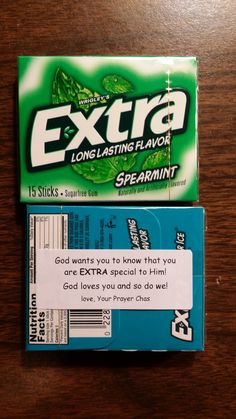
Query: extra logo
x=180 y=326
x=56 y=133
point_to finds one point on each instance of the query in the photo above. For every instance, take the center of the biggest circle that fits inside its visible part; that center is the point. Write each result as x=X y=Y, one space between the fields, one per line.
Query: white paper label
x=114 y=279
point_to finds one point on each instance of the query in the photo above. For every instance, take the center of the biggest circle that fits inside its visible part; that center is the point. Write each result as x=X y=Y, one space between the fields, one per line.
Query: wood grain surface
x=125 y=385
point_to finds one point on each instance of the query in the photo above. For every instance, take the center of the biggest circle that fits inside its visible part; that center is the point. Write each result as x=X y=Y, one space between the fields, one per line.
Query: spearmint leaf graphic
x=104 y=170
x=67 y=89
x=67 y=132
x=157 y=159
x=113 y=83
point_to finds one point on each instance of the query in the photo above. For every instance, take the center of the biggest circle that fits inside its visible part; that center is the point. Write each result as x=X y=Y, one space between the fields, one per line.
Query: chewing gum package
x=108 y=129
x=115 y=278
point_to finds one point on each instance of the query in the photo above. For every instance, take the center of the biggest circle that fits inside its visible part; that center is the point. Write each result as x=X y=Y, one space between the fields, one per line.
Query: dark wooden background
x=125 y=385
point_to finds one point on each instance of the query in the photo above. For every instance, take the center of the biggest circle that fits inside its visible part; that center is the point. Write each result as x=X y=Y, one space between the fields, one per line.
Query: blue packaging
x=96 y=227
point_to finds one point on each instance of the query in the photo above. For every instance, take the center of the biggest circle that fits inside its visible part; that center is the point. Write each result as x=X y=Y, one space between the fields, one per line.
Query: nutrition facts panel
x=48 y=231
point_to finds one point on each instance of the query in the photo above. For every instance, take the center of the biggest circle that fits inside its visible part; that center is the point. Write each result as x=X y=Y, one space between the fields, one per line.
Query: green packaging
x=108 y=129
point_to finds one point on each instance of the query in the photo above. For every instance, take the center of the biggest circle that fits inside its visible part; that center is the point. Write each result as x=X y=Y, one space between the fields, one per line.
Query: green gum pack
x=108 y=129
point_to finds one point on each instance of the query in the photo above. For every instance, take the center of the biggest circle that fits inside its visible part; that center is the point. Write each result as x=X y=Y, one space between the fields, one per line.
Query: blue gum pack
x=97 y=227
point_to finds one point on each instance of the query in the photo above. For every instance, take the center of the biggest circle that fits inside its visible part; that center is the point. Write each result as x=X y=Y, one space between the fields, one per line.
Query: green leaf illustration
x=157 y=159
x=67 y=89
x=113 y=83
x=104 y=170
x=67 y=132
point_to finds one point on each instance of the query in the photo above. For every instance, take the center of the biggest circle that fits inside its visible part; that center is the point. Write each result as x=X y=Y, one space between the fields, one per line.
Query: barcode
x=50 y=231
x=90 y=323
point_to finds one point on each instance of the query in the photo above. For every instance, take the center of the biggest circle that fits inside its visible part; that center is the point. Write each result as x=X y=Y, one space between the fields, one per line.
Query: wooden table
x=125 y=385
